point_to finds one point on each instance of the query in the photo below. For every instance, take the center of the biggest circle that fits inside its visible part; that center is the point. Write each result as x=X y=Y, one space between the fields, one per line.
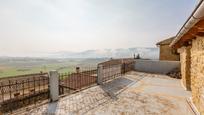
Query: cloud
x=29 y=26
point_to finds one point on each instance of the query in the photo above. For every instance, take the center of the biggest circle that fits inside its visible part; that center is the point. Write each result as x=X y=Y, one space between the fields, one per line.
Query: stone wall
x=166 y=53
x=185 y=66
x=197 y=73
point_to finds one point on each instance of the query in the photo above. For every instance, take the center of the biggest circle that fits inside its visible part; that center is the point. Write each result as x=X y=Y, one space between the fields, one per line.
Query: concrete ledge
x=156 y=66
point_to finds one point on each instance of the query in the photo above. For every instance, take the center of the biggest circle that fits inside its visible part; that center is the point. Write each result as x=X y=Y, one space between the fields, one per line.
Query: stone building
x=166 y=52
x=190 y=44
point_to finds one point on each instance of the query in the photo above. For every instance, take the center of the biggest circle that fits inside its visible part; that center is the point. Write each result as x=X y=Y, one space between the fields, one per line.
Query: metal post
x=54 y=85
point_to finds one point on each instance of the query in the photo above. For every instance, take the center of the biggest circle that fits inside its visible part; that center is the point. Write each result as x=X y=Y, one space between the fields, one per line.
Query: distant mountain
x=146 y=53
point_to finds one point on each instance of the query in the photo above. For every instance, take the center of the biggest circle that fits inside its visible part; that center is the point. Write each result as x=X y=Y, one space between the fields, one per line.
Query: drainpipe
x=195 y=17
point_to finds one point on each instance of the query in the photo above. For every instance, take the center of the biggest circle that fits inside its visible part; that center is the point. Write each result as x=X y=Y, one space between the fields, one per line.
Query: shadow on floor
x=114 y=87
x=51 y=108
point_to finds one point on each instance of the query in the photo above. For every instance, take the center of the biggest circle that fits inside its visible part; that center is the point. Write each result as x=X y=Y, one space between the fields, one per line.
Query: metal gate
x=72 y=82
x=113 y=71
x=109 y=72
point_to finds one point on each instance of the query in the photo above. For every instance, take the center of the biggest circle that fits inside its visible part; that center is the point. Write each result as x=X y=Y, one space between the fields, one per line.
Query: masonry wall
x=167 y=54
x=197 y=73
x=185 y=56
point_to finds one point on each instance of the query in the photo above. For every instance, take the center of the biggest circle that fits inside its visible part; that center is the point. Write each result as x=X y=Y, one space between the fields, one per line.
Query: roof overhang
x=192 y=28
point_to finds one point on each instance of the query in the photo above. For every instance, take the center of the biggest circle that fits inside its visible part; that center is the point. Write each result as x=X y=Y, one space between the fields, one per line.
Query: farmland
x=19 y=66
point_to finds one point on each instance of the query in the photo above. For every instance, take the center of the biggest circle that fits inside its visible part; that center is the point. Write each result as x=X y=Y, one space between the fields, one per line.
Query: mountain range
x=145 y=53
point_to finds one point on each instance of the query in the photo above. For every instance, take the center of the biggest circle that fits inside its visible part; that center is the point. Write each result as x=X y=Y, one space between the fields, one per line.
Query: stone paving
x=134 y=94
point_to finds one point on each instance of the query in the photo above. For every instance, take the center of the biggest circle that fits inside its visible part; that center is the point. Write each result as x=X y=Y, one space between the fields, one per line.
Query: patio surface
x=135 y=93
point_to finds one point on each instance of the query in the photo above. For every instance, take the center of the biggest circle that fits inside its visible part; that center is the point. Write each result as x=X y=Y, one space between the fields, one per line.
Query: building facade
x=190 y=44
x=185 y=57
x=166 y=52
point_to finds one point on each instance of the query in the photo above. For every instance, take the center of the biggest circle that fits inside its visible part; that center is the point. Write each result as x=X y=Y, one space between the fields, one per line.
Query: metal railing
x=128 y=66
x=111 y=71
x=72 y=82
x=20 y=91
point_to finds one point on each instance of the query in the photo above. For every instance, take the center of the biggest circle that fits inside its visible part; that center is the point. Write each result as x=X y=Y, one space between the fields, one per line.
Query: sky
x=33 y=27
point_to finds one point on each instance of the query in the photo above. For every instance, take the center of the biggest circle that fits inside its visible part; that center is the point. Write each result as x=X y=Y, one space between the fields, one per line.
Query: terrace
x=119 y=89
x=134 y=93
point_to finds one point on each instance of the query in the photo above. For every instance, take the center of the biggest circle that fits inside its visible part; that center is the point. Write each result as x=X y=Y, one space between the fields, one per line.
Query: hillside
x=147 y=53
x=11 y=66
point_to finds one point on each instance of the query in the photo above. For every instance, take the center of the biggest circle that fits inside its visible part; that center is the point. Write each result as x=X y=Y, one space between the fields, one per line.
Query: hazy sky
x=30 y=27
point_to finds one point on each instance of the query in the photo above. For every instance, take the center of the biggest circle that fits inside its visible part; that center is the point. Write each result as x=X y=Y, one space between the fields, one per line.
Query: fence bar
x=2 y=91
x=23 y=88
x=10 y=88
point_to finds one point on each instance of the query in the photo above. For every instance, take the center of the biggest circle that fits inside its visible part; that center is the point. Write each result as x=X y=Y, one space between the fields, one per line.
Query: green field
x=20 y=66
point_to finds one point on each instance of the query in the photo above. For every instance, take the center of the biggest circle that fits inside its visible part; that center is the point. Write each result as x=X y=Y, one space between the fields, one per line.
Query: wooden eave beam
x=195 y=31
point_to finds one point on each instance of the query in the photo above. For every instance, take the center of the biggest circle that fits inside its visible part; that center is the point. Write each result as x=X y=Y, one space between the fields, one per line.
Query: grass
x=13 y=67
x=12 y=71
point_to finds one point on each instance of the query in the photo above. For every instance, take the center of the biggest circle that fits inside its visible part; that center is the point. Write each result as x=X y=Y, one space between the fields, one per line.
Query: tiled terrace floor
x=136 y=94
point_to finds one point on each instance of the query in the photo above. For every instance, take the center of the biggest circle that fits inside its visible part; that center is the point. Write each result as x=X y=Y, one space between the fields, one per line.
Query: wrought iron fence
x=23 y=90
x=72 y=82
x=128 y=66
x=110 y=71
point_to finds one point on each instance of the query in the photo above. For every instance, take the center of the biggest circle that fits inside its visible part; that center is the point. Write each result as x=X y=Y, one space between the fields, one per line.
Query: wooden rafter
x=196 y=31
